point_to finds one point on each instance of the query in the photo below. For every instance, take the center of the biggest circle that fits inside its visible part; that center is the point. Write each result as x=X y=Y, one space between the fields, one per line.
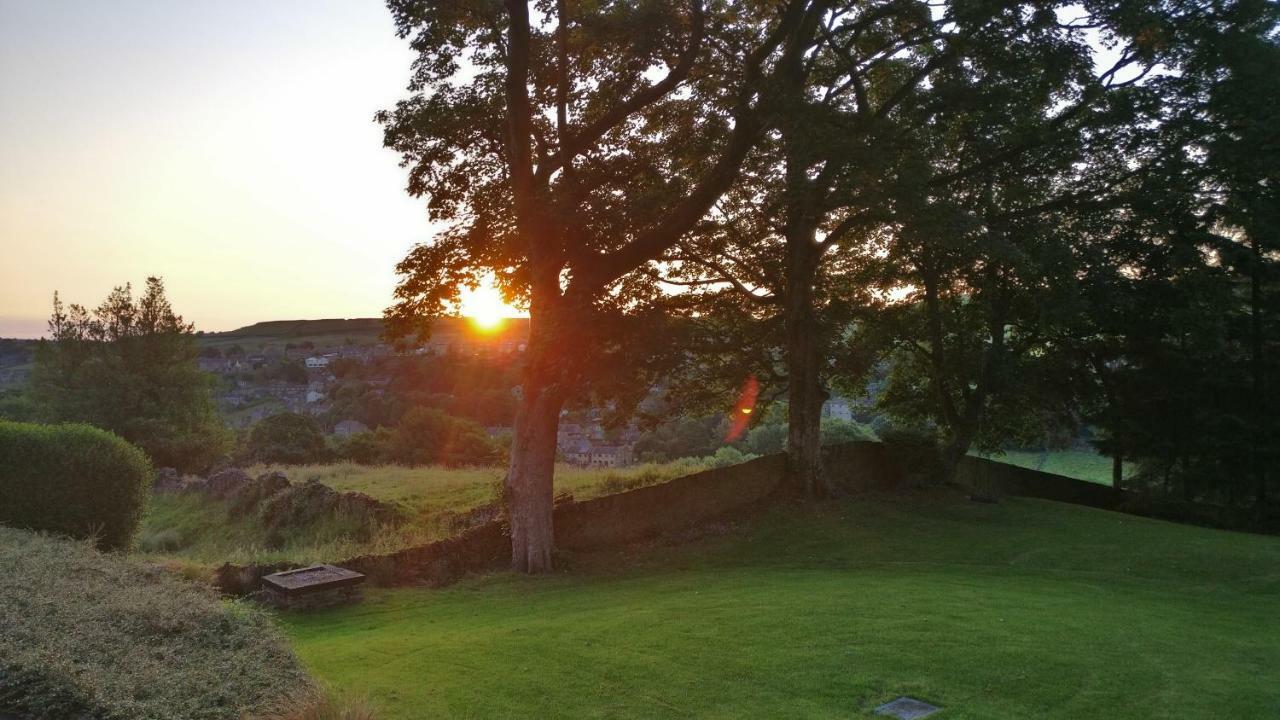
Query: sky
x=228 y=147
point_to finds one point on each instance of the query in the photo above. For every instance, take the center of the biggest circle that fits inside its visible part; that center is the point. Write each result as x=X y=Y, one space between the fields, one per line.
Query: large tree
x=129 y=366
x=915 y=139
x=1184 y=326
x=563 y=145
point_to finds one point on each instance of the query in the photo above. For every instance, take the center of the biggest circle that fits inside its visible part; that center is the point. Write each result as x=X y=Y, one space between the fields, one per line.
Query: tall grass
x=85 y=634
x=191 y=532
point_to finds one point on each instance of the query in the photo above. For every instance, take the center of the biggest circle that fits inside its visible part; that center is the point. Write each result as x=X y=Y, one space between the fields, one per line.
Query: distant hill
x=340 y=331
x=306 y=328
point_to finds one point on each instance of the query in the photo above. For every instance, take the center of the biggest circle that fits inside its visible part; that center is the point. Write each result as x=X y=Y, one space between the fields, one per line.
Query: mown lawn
x=1026 y=609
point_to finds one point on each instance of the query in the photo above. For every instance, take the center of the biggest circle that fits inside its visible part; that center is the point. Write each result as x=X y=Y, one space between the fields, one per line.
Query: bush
x=287 y=438
x=72 y=479
x=427 y=436
x=87 y=635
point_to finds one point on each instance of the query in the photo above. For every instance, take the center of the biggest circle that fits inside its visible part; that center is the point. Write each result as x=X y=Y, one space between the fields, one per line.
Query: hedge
x=72 y=479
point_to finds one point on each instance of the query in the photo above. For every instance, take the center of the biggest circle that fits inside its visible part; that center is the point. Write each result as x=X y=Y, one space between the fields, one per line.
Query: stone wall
x=714 y=494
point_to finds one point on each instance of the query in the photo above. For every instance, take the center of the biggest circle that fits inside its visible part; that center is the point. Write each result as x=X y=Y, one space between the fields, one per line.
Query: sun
x=485 y=307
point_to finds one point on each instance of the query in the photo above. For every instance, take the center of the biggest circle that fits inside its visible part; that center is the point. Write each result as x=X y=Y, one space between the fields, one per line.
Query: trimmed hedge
x=74 y=480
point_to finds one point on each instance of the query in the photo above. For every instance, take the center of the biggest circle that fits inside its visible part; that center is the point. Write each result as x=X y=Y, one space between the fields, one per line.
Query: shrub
x=428 y=436
x=87 y=635
x=287 y=438
x=729 y=455
x=72 y=479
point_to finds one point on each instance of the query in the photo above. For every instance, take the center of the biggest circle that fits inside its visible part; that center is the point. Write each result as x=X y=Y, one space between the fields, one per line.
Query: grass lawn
x=1080 y=464
x=1026 y=609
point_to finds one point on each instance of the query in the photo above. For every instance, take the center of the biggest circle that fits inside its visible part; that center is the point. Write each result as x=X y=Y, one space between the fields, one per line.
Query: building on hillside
x=837 y=408
x=586 y=445
x=347 y=428
x=316 y=362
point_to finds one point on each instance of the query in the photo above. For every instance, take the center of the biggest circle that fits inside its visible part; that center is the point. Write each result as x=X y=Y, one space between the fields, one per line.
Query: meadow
x=194 y=533
x=1023 y=609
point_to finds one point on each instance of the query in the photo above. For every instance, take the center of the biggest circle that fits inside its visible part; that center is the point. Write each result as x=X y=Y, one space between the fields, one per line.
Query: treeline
x=422 y=436
x=1043 y=213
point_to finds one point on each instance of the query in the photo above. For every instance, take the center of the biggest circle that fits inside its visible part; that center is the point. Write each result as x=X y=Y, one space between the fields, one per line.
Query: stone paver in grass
x=906 y=708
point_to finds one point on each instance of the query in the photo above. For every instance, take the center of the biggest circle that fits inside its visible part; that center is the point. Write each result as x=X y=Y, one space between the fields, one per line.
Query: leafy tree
x=129 y=366
x=1188 y=391
x=555 y=146
x=426 y=436
x=287 y=438
x=18 y=406
x=992 y=201
x=901 y=116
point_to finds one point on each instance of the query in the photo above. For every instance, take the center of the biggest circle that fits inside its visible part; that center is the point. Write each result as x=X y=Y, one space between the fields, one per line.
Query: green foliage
x=1026 y=609
x=371 y=447
x=17 y=406
x=130 y=367
x=729 y=455
x=427 y=436
x=87 y=635
x=72 y=479
x=682 y=437
x=287 y=438
x=836 y=431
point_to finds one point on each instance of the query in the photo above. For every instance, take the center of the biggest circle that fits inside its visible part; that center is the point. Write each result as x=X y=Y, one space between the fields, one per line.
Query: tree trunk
x=529 y=479
x=805 y=395
x=1117 y=469
x=957 y=449
x=1256 y=365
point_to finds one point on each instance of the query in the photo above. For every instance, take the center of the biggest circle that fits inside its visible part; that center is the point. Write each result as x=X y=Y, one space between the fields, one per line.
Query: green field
x=1080 y=464
x=1026 y=609
x=192 y=530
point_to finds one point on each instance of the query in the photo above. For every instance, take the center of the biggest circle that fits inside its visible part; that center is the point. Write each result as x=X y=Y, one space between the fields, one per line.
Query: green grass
x=431 y=491
x=195 y=533
x=1026 y=609
x=1080 y=464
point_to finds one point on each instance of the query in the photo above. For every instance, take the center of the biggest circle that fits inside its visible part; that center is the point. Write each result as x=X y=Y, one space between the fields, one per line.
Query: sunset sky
x=228 y=147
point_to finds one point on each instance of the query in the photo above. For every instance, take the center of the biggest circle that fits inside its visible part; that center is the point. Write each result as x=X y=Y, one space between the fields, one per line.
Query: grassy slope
x=1023 y=609
x=193 y=529
x=432 y=490
x=83 y=632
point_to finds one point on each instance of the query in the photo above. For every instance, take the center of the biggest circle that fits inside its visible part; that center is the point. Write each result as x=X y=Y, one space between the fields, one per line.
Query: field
x=1018 y=610
x=1080 y=464
x=195 y=530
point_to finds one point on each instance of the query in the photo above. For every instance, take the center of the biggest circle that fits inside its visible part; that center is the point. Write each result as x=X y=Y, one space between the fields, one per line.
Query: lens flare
x=742 y=409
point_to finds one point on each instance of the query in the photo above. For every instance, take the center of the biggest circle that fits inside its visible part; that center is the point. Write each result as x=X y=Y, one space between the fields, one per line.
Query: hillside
x=338 y=331
x=1018 y=610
